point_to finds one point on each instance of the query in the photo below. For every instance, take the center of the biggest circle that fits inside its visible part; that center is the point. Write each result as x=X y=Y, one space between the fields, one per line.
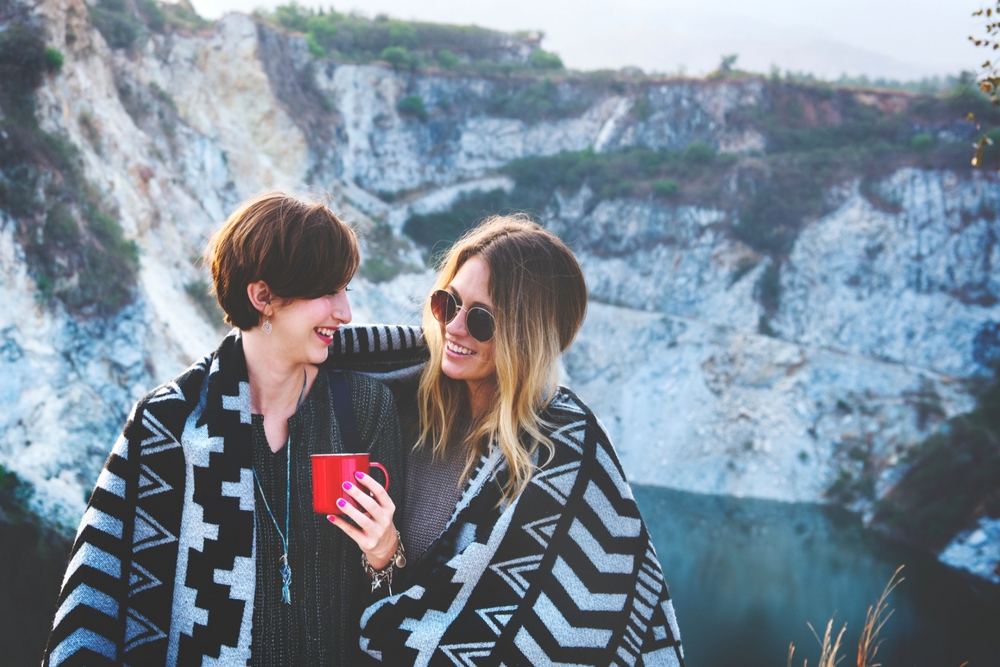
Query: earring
x=267 y=327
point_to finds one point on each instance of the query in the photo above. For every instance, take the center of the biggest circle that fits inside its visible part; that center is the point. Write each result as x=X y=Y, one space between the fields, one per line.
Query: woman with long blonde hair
x=525 y=543
x=501 y=384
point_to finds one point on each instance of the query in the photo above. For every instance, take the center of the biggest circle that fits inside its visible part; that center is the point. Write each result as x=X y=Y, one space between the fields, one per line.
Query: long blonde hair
x=539 y=302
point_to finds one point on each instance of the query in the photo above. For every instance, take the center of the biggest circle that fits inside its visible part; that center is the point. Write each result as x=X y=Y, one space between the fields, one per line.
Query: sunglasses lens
x=479 y=321
x=480 y=324
x=443 y=306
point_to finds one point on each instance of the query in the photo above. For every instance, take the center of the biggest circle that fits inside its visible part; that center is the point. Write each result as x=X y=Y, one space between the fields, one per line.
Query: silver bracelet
x=398 y=560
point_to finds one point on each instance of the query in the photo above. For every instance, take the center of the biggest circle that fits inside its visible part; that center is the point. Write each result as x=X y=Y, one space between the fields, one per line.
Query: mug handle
x=384 y=472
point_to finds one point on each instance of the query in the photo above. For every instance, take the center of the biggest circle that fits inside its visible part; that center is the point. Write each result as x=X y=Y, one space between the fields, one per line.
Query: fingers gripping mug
x=330 y=471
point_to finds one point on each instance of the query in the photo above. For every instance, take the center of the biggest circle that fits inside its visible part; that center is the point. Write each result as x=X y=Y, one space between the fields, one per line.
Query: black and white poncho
x=163 y=570
x=563 y=575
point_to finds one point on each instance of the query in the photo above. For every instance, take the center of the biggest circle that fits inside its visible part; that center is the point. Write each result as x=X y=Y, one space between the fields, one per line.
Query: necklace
x=286 y=570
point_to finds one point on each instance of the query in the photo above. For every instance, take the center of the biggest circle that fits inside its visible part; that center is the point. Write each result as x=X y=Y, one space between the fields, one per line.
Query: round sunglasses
x=479 y=321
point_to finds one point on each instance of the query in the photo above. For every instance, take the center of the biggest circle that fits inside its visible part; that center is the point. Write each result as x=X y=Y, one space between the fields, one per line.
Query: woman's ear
x=260 y=298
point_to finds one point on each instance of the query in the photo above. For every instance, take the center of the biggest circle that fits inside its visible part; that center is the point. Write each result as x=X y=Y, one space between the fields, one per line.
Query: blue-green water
x=745 y=575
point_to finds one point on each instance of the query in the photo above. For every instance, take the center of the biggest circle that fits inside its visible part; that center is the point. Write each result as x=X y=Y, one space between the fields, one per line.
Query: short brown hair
x=300 y=249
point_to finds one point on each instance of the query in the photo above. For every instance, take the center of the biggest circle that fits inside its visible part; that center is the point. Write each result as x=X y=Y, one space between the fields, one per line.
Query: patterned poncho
x=564 y=574
x=164 y=567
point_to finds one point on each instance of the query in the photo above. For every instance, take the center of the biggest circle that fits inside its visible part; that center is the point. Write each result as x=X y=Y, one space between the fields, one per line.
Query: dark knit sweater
x=433 y=488
x=328 y=586
x=434 y=485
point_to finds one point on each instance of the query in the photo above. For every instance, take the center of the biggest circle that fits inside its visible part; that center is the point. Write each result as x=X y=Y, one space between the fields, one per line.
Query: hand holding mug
x=342 y=486
x=375 y=532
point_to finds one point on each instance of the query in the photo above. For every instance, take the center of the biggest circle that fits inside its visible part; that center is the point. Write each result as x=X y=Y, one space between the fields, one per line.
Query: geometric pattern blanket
x=564 y=574
x=162 y=571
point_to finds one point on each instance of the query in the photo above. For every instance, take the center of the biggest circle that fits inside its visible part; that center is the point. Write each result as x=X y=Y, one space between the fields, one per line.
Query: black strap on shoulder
x=343 y=407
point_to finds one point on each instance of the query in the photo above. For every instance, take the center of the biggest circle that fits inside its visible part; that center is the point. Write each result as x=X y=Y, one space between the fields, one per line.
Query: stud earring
x=267 y=327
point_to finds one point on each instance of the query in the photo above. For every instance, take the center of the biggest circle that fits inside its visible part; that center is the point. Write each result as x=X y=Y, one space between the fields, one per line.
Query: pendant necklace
x=286 y=570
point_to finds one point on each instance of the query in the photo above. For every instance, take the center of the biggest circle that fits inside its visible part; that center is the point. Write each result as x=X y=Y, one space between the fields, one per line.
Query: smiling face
x=302 y=329
x=464 y=357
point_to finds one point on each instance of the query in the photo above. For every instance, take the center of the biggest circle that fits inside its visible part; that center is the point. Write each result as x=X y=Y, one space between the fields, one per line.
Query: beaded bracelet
x=398 y=560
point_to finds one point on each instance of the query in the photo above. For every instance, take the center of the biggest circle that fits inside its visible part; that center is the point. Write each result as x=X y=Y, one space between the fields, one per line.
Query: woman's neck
x=275 y=381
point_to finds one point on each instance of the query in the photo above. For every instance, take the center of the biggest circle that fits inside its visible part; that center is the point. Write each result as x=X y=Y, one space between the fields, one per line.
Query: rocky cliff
x=887 y=304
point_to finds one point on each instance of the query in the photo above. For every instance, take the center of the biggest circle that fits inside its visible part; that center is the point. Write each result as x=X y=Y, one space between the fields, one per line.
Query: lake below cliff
x=746 y=576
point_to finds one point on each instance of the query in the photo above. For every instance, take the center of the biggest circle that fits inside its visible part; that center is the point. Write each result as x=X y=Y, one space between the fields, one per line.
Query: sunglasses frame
x=471 y=316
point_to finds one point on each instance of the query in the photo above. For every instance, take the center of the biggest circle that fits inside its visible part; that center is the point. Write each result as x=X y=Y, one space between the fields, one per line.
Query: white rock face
x=67 y=387
x=977 y=550
x=684 y=111
x=221 y=91
x=699 y=407
x=463 y=140
x=914 y=287
x=651 y=257
x=879 y=309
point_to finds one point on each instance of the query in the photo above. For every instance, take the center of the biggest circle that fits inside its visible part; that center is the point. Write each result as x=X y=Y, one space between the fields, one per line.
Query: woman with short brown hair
x=199 y=543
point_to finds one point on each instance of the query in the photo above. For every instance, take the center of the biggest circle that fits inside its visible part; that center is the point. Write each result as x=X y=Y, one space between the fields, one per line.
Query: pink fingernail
x=348 y=486
x=359 y=475
x=331 y=518
x=342 y=503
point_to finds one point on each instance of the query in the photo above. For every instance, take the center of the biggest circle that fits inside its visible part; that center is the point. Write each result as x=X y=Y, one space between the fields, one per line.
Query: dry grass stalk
x=876 y=618
x=828 y=646
x=869 y=642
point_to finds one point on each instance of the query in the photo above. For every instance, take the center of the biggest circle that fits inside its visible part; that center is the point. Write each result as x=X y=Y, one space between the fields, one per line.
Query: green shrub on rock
x=922 y=142
x=540 y=100
x=413 y=106
x=447 y=59
x=153 y=14
x=439 y=230
x=398 y=57
x=666 y=187
x=61 y=228
x=316 y=50
x=698 y=152
x=545 y=60
x=402 y=34
x=116 y=24
x=23 y=62
x=53 y=59
x=352 y=37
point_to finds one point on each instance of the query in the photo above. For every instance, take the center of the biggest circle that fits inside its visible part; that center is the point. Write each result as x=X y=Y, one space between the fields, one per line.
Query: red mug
x=330 y=471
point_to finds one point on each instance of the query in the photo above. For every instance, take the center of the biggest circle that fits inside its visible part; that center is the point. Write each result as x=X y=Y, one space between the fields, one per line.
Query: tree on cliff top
x=989 y=78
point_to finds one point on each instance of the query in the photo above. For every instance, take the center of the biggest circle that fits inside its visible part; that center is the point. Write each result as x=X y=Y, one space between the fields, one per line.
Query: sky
x=896 y=39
